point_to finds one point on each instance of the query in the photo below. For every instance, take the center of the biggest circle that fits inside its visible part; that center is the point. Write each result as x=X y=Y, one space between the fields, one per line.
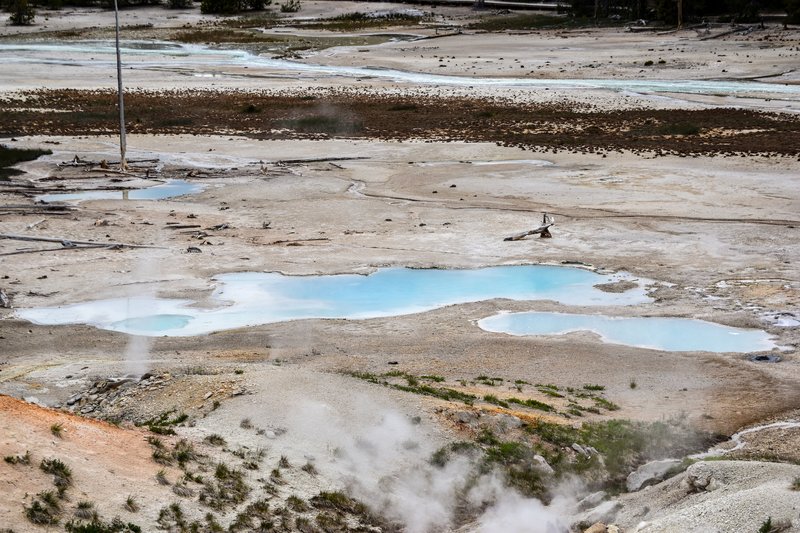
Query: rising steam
x=387 y=466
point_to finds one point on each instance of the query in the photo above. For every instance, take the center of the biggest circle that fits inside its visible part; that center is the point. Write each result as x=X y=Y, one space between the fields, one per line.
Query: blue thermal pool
x=249 y=299
x=168 y=189
x=669 y=334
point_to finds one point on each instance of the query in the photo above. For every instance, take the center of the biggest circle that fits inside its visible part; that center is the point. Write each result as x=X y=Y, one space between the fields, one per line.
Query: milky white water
x=191 y=59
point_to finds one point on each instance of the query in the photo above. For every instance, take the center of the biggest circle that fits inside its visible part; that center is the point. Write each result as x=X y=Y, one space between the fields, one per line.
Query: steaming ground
x=717 y=233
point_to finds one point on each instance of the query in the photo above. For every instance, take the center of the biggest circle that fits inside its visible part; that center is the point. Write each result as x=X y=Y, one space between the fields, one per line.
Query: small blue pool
x=168 y=189
x=668 y=334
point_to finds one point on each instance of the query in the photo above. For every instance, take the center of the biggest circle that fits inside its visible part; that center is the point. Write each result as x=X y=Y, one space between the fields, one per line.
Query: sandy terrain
x=716 y=237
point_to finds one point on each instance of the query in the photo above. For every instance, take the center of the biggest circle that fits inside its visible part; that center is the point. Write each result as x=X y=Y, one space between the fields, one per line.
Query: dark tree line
x=685 y=11
x=22 y=12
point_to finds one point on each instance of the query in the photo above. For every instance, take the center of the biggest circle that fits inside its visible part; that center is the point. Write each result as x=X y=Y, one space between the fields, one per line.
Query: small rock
x=700 y=477
x=612 y=529
x=74 y=399
x=194 y=250
x=580 y=449
x=605 y=513
x=543 y=465
x=592 y=500
x=208 y=395
x=597 y=527
x=270 y=434
x=465 y=417
x=650 y=474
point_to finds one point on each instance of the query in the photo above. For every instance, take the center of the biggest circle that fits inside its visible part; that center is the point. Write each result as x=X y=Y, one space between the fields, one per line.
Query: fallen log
x=69 y=243
x=63 y=248
x=543 y=231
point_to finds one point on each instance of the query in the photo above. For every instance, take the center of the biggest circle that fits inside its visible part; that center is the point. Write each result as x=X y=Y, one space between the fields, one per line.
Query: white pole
x=122 y=163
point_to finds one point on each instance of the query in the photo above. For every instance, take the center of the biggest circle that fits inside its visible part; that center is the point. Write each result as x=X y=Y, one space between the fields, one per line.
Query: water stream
x=189 y=58
x=737 y=441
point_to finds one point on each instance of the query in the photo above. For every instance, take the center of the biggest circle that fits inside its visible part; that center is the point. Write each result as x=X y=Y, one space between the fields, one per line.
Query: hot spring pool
x=249 y=299
x=669 y=334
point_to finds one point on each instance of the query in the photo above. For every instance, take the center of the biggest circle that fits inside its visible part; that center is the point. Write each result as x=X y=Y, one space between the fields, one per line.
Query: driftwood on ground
x=67 y=243
x=543 y=230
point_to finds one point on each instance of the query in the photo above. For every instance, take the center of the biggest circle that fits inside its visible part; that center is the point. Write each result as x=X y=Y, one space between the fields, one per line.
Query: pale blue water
x=168 y=189
x=247 y=299
x=669 y=334
x=162 y=55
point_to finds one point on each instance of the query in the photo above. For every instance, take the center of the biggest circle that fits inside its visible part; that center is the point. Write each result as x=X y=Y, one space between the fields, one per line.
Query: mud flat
x=702 y=219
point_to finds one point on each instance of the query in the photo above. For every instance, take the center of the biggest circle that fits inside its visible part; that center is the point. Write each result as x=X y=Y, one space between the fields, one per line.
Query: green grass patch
x=18 y=459
x=533 y=404
x=605 y=404
x=442 y=393
x=163 y=423
x=590 y=386
x=519 y=22
x=491 y=398
x=550 y=392
x=361 y=21
x=98 y=525
x=338 y=501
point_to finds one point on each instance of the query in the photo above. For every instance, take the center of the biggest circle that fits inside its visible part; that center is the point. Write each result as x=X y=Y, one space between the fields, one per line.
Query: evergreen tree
x=21 y=13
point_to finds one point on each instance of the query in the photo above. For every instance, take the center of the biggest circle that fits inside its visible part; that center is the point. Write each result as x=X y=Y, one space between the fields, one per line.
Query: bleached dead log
x=68 y=243
x=543 y=230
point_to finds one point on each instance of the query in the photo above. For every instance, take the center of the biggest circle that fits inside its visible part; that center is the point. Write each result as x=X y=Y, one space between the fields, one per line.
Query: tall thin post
x=122 y=145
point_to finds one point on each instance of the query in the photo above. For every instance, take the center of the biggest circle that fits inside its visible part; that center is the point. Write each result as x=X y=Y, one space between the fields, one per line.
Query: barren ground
x=717 y=232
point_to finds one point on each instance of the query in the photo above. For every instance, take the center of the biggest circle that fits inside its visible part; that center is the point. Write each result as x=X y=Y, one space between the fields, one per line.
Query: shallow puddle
x=668 y=334
x=249 y=299
x=168 y=189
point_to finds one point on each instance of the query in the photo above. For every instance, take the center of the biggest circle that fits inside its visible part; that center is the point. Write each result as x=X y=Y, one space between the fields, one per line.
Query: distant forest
x=669 y=12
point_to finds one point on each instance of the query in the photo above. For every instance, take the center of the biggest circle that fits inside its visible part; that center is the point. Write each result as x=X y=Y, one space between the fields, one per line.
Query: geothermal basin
x=251 y=298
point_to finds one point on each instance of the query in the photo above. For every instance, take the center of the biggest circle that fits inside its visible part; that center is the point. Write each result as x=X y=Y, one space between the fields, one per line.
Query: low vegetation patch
x=227 y=488
x=361 y=21
x=163 y=423
x=415 y=387
x=520 y=22
x=44 y=510
x=98 y=525
x=62 y=475
x=562 y=126
x=18 y=459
